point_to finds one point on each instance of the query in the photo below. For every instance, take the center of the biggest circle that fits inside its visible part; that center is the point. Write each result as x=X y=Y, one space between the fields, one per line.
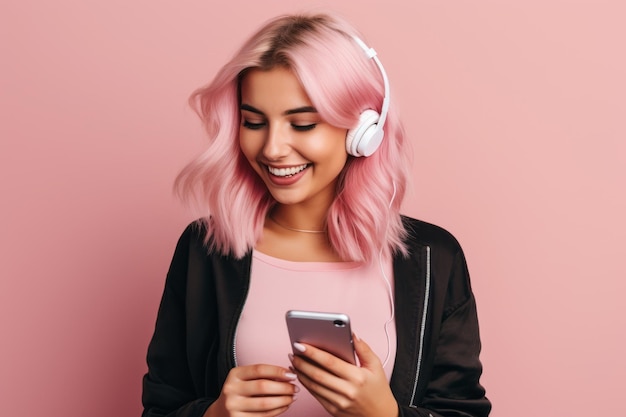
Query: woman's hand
x=255 y=390
x=342 y=388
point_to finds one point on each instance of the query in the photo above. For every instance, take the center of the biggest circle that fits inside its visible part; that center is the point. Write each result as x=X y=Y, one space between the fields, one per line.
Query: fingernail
x=290 y=375
x=296 y=388
x=290 y=355
x=299 y=347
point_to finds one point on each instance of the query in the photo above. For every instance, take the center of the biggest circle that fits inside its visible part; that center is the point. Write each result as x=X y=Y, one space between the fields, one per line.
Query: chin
x=286 y=201
x=286 y=198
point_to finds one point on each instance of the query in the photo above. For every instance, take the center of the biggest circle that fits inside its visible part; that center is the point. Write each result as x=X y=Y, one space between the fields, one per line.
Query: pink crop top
x=277 y=285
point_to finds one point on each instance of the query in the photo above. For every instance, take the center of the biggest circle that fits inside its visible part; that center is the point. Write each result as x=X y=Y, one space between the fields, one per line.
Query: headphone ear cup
x=366 y=137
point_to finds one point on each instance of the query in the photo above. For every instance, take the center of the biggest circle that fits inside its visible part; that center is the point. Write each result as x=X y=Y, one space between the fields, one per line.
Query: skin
x=344 y=389
x=281 y=129
x=255 y=390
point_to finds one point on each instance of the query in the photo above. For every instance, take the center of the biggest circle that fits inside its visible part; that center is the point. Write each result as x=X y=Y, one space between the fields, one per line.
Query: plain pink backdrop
x=516 y=112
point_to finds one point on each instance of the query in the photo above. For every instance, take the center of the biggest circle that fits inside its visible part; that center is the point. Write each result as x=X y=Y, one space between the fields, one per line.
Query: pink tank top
x=277 y=285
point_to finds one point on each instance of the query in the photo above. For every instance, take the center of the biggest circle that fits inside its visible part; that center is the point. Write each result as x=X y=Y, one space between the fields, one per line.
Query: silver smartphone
x=327 y=331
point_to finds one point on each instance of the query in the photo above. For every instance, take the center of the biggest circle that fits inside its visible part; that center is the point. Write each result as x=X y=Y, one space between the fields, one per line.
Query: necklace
x=294 y=229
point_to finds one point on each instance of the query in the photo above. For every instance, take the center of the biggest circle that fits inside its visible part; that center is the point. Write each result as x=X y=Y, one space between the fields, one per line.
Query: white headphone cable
x=389 y=290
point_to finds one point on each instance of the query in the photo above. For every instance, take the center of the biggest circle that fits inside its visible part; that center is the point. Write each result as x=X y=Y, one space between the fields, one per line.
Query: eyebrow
x=304 y=109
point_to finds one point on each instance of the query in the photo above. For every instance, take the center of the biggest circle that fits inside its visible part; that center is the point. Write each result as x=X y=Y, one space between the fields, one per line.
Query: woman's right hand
x=255 y=390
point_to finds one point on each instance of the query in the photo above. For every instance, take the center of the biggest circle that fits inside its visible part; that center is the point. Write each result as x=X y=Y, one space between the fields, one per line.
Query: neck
x=307 y=217
x=294 y=229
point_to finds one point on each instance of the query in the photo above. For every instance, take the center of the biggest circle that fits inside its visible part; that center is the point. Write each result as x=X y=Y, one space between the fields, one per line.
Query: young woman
x=302 y=192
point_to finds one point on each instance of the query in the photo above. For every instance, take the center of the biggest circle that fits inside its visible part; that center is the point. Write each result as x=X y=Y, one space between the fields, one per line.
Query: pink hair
x=364 y=220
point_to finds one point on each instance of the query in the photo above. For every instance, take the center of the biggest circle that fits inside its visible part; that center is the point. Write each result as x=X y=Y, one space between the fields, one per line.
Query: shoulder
x=446 y=260
x=195 y=232
x=191 y=239
x=196 y=243
x=193 y=245
x=421 y=233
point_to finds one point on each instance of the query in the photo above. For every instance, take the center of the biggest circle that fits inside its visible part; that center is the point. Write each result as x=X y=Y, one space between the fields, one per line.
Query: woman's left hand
x=344 y=389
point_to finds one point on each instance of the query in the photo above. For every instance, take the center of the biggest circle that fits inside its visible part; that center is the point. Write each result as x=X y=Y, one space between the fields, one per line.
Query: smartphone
x=327 y=331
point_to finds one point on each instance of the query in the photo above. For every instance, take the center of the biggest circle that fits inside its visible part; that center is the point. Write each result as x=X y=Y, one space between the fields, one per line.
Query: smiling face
x=297 y=155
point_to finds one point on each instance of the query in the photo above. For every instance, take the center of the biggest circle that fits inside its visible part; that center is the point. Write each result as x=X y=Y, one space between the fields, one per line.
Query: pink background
x=516 y=111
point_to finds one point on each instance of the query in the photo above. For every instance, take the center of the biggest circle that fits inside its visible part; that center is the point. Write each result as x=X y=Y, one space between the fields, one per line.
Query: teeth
x=286 y=172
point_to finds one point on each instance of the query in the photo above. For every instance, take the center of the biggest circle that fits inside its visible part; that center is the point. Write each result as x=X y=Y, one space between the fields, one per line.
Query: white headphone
x=366 y=137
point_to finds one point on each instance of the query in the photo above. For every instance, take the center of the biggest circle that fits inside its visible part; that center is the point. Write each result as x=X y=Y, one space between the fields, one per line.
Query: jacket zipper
x=234 y=352
x=422 y=328
x=239 y=312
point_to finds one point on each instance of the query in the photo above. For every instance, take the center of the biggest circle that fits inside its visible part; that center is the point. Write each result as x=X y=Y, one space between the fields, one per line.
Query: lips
x=286 y=175
x=286 y=172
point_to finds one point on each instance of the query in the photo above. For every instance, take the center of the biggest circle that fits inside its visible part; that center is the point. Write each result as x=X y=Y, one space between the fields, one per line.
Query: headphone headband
x=372 y=54
x=366 y=137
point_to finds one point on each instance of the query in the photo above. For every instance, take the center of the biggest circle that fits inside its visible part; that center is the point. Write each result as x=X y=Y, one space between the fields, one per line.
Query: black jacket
x=437 y=368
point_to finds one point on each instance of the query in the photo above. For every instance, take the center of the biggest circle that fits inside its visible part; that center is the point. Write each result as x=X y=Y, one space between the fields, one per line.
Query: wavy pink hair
x=364 y=220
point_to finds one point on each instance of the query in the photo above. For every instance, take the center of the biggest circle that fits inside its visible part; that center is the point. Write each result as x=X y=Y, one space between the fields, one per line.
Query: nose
x=277 y=143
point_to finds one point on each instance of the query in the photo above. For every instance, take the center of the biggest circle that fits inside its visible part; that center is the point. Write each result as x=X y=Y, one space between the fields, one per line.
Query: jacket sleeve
x=168 y=386
x=453 y=387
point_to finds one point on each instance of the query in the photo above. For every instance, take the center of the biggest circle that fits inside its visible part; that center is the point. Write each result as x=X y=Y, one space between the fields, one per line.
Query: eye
x=303 y=128
x=253 y=126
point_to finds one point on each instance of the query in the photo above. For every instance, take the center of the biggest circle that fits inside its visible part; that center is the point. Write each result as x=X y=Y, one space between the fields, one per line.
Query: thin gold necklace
x=294 y=229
